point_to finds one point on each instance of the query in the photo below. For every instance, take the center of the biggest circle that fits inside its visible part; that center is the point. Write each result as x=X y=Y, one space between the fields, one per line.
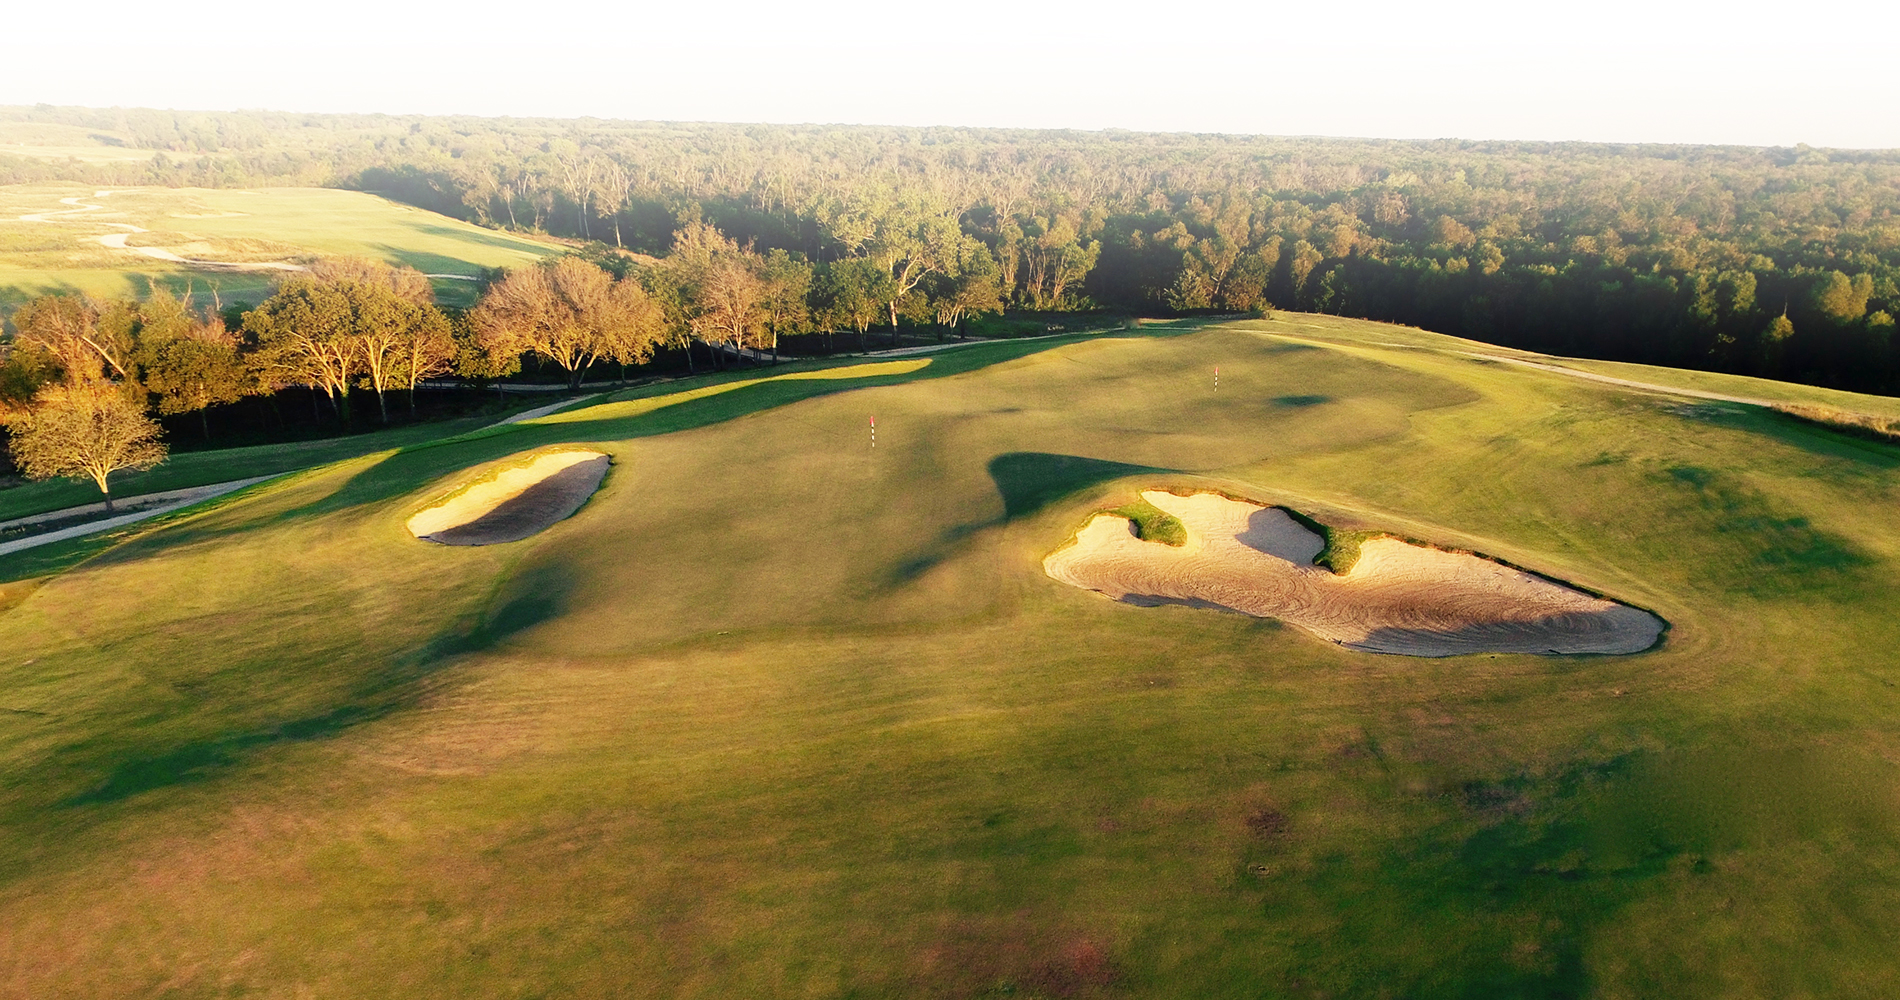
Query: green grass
x=1152 y=524
x=202 y=468
x=272 y=224
x=1341 y=553
x=778 y=714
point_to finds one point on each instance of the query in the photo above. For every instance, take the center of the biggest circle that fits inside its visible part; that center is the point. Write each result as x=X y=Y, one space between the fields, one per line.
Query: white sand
x=516 y=503
x=1398 y=598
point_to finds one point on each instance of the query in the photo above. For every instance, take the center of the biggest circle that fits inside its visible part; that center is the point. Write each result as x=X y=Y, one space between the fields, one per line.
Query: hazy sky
x=1823 y=72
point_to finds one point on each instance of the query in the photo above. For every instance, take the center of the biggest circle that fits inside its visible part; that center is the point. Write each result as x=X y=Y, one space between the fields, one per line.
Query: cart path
x=172 y=500
x=1624 y=382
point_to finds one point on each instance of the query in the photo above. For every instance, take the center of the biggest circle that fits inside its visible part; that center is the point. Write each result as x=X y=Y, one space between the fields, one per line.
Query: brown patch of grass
x=1861 y=425
x=1267 y=823
x=1016 y=955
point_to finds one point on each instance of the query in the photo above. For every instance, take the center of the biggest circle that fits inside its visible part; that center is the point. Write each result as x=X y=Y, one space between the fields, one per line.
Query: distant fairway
x=244 y=227
x=776 y=714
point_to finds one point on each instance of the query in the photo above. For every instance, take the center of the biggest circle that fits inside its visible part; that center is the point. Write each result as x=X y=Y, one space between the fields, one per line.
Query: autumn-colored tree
x=193 y=368
x=570 y=312
x=406 y=283
x=66 y=330
x=305 y=334
x=85 y=431
x=398 y=342
x=349 y=319
x=474 y=359
x=729 y=302
x=428 y=349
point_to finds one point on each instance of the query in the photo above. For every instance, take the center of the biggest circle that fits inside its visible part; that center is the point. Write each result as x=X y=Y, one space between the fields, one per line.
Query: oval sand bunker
x=516 y=503
x=1398 y=598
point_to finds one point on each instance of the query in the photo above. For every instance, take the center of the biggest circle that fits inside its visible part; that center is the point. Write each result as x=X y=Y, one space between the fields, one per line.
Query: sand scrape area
x=1398 y=598
x=516 y=503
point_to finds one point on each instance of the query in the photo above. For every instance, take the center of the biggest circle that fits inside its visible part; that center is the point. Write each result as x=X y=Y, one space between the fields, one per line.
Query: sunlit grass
x=780 y=714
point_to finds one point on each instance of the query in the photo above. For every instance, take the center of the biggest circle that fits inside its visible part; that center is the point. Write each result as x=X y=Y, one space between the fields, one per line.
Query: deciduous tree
x=305 y=336
x=84 y=431
x=570 y=312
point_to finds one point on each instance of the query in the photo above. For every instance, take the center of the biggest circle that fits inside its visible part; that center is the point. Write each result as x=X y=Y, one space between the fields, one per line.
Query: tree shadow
x=1031 y=480
x=1796 y=433
x=415 y=466
x=1027 y=481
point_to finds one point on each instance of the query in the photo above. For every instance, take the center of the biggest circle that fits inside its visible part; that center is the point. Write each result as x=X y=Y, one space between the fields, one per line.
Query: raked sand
x=1398 y=598
x=516 y=503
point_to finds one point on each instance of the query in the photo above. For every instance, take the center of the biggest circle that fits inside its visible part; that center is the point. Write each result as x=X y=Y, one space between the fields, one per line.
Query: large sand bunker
x=1398 y=598
x=516 y=503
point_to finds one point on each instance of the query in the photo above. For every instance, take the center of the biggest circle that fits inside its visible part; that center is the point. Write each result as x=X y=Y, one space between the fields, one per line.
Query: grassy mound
x=1152 y=524
x=797 y=716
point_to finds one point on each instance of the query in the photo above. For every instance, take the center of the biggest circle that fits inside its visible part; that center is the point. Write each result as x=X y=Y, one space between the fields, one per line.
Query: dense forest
x=1777 y=262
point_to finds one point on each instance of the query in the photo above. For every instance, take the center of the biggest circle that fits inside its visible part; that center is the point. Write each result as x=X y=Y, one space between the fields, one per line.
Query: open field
x=778 y=714
x=50 y=239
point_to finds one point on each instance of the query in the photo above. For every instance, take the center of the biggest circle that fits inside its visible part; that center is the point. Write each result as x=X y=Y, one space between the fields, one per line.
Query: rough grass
x=1153 y=524
x=1341 y=553
x=781 y=715
x=1861 y=425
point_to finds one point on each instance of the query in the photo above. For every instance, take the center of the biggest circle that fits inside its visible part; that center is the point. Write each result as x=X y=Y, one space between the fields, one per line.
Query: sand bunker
x=516 y=503
x=1398 y=598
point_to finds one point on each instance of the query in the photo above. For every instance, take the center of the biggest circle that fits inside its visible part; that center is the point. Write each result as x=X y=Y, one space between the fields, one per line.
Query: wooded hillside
x=1777 y=262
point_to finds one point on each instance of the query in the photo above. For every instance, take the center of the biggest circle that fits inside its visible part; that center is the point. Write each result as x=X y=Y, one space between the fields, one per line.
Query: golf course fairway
x=778 y=714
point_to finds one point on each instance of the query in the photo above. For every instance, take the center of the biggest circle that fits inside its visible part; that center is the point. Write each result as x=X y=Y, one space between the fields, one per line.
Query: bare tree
x=580 y=173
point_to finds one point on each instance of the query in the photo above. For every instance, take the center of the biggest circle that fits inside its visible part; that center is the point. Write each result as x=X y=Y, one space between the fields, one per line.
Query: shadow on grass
x=533 y=598
x=1028 y=481
x=1031 y=480
x=1796 y=433
x=415 y=466
x=1768 y=553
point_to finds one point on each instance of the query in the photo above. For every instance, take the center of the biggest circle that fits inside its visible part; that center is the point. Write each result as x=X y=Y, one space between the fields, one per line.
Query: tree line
x=80 y=379
x=1776 y=262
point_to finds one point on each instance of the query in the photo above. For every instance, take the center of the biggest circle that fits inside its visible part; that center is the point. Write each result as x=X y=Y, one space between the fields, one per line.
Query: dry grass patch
x=1857 y=424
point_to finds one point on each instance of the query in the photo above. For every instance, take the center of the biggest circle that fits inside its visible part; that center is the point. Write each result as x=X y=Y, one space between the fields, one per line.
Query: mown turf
x=270 y=224
x=201 y=468
x=778 y=714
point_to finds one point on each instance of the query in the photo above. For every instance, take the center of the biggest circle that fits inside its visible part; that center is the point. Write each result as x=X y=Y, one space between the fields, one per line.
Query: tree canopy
x=1677 y=255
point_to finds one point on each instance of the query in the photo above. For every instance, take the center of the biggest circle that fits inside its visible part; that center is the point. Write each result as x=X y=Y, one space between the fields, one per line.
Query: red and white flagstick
x=1216 y=376
x=874 y=431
